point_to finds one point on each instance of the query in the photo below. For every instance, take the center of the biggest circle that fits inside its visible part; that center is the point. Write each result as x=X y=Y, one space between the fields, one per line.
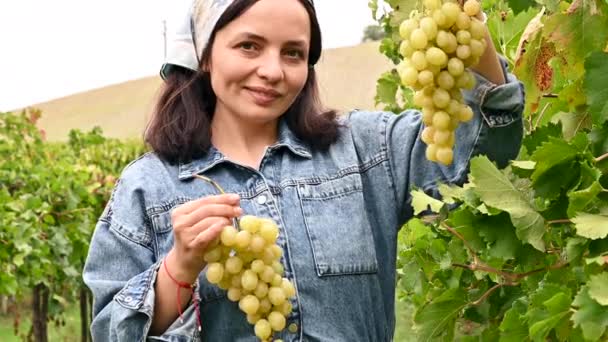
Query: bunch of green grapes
x=438 y=46
x=246 y=263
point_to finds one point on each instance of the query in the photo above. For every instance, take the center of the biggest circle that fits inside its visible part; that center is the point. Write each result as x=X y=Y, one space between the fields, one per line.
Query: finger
x=210 y=210
x=207 y=222
x=188 y=207
x=204 y=238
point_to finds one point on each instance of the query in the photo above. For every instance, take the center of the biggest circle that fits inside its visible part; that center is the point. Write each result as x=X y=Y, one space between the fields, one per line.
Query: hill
x=347 y=80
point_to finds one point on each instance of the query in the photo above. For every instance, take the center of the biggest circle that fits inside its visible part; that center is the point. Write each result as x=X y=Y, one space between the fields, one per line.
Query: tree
x=372 y=33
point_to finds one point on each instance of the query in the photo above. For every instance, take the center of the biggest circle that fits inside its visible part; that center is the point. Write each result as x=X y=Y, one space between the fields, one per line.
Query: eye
x=247 y=46
x=295 y=53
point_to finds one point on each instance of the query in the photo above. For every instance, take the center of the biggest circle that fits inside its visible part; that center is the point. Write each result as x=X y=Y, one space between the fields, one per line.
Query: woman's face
x=259 y=61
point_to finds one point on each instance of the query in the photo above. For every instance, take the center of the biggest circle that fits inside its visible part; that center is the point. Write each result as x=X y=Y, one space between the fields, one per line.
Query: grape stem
x=490 y=291
x=600 y=158
x=210 y=181
x=559 y=221
x=235 y=220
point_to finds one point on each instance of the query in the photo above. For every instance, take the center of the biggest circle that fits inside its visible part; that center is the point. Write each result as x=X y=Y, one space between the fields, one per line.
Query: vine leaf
x=596 y=85
x=598 y=288
x=439 y=316
x=591 y=226
x=497 y=191
x=591 y=316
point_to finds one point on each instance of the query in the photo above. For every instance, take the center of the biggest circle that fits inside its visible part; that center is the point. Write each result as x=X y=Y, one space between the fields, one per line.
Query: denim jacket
x=339 y=212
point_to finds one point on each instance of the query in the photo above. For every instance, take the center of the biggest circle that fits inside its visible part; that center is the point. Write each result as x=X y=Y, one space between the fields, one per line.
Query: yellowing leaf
x=598 y=288
x=421 y=202
x=591 y=226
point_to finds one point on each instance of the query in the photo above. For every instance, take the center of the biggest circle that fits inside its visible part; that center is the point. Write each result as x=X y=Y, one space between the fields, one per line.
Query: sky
x=52 y=49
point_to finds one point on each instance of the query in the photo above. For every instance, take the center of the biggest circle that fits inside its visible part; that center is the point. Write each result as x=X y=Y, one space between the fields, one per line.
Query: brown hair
x=180 y=128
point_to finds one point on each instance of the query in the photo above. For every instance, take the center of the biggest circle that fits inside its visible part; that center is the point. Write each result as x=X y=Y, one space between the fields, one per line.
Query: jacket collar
x=286 y=139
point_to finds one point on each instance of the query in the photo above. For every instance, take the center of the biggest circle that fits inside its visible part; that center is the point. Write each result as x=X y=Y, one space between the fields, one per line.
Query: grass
x=71 y=331
x=68 y=333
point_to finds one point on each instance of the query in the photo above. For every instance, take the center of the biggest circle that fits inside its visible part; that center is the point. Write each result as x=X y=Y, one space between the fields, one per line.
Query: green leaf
x=513 y=327
x=437 y=317
x=598 y=288
x=386 y=88
x=590 y=316
x=421 y=202
x=581 y=198
x=540 y=135
x=520 y=5
x=575 y=248
x=591 y=226
x=552 y=153
x=596 y=85
x=495 y=189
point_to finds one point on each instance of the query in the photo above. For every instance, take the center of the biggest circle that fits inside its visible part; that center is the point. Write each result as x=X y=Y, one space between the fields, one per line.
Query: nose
x=271 y=68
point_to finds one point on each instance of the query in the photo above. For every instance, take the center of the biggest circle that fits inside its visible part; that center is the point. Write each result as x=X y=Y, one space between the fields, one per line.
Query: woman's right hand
x=196 y=224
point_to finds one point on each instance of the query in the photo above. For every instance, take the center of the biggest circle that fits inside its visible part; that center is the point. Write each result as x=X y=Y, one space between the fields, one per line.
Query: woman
x=244 y=112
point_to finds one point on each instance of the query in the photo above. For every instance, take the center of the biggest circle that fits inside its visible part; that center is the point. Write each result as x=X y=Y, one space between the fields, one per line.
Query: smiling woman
x=240 y=109
x=248 y=74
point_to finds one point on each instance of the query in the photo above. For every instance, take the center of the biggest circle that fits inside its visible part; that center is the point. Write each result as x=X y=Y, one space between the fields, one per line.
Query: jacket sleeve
x=122 y=265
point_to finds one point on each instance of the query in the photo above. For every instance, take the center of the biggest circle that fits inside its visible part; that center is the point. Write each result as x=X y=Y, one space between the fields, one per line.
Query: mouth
x=263 y=96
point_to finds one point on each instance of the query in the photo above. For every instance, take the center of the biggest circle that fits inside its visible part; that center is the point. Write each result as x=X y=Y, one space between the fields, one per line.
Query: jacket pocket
x=338 y=227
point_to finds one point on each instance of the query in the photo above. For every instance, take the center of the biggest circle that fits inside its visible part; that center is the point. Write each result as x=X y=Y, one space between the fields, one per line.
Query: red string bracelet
x=184 y=285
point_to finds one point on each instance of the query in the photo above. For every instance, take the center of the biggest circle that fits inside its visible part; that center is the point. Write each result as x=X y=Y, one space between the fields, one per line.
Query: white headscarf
x=185 y=46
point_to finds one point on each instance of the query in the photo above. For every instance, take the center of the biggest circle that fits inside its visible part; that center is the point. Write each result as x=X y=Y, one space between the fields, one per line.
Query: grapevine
x=519 y=253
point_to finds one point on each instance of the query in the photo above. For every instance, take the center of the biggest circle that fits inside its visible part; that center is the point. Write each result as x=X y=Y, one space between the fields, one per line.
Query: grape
x=436 y=56
x=463 y=37
x=478 y=29
x=425 y=77
x=465 y=114
x=476 y=48
x=234 y=294
x=407 y=27
x=249 y=280
x=263 y=329
x=431 y=152
x=442 y=137
x=418 y=60
x=234 y=265
x=429 y=27
x=463 y=52
x=463 y=21
x=441 y=98
x=471 y=7
x=444 y=155
x=406 y=49
x=228 y=236
x=441 y=120
x=213 y=255
x=455 y=67
x=440 y=19
x=276 y=295
x=432 y=4
x=277 y=321
x=246 y=263
x=428 y=134
x=418 y=39
x=438 y=44
x=445 y=80
x=250 y=223
x=269 y=231
x=215 y=272
x=451 y=11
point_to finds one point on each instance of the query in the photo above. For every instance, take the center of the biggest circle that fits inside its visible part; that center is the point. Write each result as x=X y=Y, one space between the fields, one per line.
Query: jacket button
x=293 y=328
x=262 y=199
